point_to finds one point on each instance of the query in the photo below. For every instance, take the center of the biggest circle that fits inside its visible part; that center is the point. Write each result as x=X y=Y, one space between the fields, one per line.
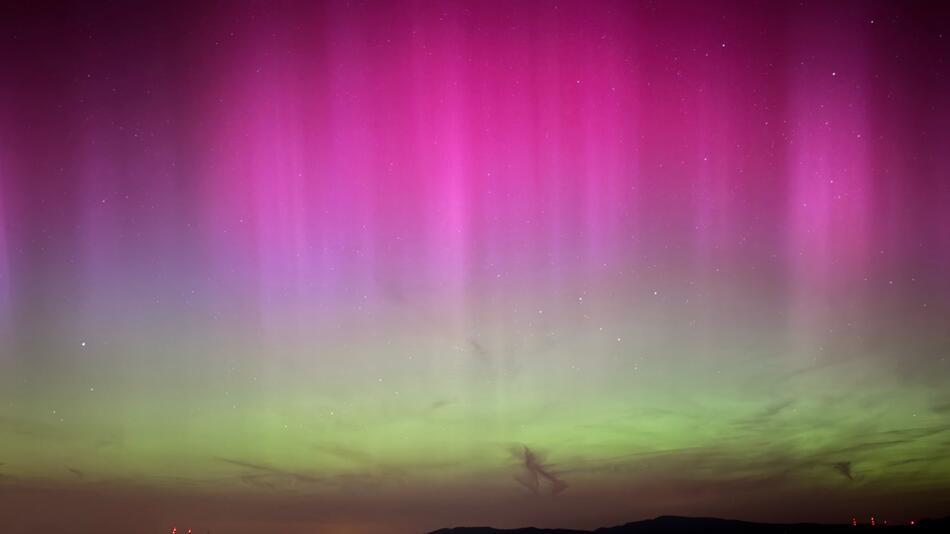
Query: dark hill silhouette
x=690 y=525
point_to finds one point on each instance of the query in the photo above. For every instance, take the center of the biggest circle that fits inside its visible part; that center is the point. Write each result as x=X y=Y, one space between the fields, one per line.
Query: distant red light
x=912 y=522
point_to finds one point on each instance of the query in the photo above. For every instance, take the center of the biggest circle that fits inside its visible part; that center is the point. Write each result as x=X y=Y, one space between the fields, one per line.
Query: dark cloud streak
x=535 y=472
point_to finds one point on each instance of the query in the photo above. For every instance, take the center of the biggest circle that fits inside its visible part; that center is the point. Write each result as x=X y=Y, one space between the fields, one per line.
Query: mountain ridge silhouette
x=670 y=524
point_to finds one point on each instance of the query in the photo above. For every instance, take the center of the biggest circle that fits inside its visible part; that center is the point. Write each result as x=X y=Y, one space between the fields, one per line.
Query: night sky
x=360 y=267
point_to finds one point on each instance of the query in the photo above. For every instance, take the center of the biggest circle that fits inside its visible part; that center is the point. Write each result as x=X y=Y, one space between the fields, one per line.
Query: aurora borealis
x=385 y=267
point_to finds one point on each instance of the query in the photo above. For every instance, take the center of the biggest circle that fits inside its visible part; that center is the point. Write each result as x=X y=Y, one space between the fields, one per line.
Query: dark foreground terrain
x=671 y=524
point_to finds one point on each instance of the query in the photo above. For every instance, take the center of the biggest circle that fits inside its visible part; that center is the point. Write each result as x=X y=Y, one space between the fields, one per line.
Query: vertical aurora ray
x=289 y=266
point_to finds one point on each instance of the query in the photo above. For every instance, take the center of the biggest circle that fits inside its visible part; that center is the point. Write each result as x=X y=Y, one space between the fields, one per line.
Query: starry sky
x=383 y=267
